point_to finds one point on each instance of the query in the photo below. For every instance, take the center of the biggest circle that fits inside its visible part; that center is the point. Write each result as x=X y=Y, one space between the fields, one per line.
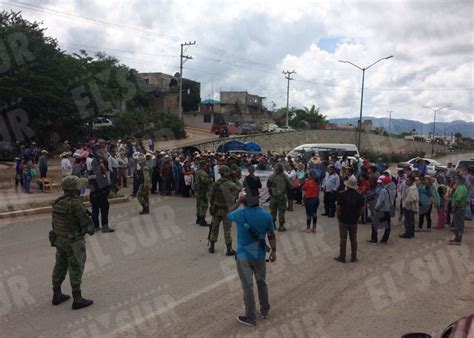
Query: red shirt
x=312 y=189
x=364 y=187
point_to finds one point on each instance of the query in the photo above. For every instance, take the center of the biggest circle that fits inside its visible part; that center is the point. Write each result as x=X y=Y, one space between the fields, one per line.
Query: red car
x=232 y=129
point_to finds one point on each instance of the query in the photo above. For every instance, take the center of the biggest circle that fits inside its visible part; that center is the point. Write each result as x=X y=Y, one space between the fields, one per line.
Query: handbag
x=33 y=172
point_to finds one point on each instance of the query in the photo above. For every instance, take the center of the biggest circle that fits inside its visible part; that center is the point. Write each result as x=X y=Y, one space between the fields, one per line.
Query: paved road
x=153 y=276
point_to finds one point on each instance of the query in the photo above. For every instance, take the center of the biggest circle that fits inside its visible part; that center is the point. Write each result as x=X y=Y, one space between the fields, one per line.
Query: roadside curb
x=35 y=211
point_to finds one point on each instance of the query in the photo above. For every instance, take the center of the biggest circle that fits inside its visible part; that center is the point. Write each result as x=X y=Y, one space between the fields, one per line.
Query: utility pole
x=181 y=63
x=389 y=120
x=289 y=78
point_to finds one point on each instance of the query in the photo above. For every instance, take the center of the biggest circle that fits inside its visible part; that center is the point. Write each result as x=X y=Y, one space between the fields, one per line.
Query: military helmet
x=202 y=164
x=224 y=171
x=71 y=183
x=235 y=168
x=279 y=168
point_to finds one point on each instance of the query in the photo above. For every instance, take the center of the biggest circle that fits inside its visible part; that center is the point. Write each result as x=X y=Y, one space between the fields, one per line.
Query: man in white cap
x=350 y=205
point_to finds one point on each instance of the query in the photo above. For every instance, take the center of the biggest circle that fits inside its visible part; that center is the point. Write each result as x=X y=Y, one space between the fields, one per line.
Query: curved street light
x=434 y=124
x=363 y=69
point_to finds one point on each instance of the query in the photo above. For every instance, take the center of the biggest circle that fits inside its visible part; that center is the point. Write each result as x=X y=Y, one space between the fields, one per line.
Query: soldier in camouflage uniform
x=278 y=185
x=222 y=197
x=203 y=184
x=144 y=181
x=71 y=222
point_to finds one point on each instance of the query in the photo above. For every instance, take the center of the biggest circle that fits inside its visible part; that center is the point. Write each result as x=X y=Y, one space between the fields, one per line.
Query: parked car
x=464 y=164
x=285 y=128
x=232 y=128
x=101 y=122
x=433 y=166
x=251 y=128
x=270 y=128
x=225 y=129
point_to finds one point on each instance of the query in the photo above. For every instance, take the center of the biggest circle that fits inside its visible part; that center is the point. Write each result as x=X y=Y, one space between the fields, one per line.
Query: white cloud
x=244 y=45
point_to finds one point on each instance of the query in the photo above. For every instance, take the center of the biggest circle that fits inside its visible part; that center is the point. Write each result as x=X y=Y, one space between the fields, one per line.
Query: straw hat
x=351 y=183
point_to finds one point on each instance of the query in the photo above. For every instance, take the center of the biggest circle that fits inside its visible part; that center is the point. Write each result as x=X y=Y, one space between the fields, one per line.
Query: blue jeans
x=26 y=182
x=311 y=205
x=468 y=212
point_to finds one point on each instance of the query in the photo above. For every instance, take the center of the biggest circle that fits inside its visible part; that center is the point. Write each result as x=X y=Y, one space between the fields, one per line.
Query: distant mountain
x=399 y=126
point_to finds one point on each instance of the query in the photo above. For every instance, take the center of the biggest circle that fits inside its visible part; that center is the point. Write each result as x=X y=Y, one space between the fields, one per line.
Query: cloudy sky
x=246 y=44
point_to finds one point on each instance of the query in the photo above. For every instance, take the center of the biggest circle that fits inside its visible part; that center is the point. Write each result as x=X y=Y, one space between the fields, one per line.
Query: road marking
x=172 y=305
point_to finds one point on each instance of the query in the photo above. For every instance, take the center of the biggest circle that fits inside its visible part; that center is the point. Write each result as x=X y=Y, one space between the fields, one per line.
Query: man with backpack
x=384 y=208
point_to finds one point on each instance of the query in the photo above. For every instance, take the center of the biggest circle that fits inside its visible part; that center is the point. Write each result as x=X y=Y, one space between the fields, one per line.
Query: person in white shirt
x=291 y=173
x=66 y=165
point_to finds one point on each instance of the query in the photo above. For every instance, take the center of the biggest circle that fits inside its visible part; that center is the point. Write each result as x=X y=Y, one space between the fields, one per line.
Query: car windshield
x=466 y=164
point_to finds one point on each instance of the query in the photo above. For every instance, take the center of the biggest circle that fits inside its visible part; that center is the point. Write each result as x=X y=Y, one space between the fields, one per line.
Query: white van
x=323 y=150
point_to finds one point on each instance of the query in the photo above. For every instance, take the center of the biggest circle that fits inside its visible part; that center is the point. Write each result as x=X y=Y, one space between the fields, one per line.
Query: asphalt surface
x=154 y=277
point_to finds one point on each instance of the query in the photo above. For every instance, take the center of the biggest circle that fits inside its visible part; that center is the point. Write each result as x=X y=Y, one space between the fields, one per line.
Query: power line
x=210 y=49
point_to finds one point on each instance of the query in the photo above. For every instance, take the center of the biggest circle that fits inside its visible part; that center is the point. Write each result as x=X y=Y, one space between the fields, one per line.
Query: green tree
x=61 y=93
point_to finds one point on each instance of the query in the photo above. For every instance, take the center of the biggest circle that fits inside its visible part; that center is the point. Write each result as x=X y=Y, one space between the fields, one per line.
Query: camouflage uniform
x=144 y=179
x=278 y=185
x=71 y=222
x=203 y=183
x=222 y=197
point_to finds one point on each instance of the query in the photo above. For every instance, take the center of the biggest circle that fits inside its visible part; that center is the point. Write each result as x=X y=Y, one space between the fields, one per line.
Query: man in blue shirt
x=253 y=224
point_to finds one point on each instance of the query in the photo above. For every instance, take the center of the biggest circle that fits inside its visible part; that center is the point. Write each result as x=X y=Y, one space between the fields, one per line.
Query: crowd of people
x=354 y=190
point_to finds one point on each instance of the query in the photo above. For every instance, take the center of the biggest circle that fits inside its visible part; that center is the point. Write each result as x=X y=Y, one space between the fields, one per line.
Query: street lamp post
x=362 y=91
x=434 y=125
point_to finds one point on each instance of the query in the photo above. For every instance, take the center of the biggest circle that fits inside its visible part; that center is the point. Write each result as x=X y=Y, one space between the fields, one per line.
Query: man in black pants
x=100 y=188
x=330 y=186
x=350 y=205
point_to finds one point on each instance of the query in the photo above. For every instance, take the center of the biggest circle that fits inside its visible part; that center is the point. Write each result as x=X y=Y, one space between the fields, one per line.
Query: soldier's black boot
x=230 y=251
x=211 y=247
x=203 y=222
x=105 y=228
x=80 y=302
x=59 y=297
x=146 y=210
